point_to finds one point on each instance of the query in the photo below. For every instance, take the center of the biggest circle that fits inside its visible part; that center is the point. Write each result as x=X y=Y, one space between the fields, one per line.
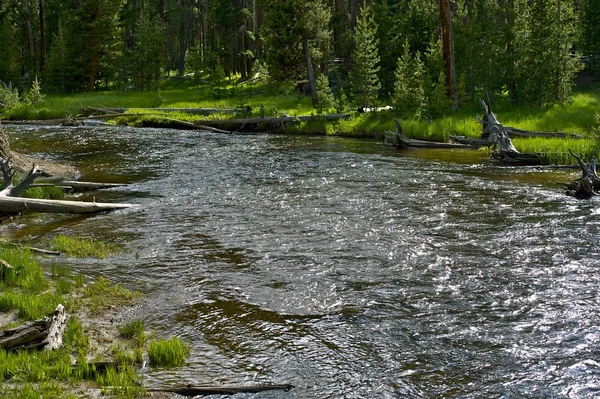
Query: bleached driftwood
x=45 y=333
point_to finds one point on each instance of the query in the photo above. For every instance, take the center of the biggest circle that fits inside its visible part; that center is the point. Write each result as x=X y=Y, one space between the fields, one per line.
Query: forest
x=424 y=57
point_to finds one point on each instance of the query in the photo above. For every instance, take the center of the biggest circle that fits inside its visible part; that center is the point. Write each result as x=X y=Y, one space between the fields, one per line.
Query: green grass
x=172 y=352
x=81 y=247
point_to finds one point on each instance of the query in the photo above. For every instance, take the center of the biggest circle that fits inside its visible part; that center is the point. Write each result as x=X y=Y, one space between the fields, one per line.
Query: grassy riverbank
x=30 y=289
x=259 y=100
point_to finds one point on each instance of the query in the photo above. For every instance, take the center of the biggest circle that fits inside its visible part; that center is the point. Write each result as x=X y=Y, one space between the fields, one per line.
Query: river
x=343 y=267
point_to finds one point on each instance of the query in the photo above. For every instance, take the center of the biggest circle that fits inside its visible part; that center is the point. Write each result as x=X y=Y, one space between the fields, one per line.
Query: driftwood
x=514 y=132
x=45 y=333
x=398 y=139
x=31 y=249
x=190 y=390
x=266 y=124
x=196 y=111
x=588 y=184
x=10 y=202
x=495 y=133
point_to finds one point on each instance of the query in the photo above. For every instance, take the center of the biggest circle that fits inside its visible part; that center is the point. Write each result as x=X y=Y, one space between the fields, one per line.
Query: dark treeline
x=366 y=50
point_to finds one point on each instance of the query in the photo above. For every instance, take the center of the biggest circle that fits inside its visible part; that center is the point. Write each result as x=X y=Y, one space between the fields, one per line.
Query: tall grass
x=81 y=247
x=170 y=352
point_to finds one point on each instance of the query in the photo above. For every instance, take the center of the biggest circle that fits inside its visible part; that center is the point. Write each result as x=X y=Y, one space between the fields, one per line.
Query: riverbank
x=258 y=100
x=102 y=351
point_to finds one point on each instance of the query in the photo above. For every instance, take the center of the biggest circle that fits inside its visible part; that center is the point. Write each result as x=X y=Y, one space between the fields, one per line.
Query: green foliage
x=135 y=330
x=122 y=384
x=24 y=272
x=74 y=339
x=590 y=34
x=9 y=98
x=544 y=36
x=34 y=96
x=363 y=76
x=438 y=103
x=81 y=247
x=409 y=87
x=172 y=352
x=325 y=95
x=58 y=65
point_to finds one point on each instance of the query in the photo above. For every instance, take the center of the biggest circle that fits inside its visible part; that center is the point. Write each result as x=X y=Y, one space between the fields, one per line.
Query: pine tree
x=34 y=96
x=544 y=36
x=58 y=66
x=590 y=34
x=365 y=59
x=409 y=86
x=326 y=98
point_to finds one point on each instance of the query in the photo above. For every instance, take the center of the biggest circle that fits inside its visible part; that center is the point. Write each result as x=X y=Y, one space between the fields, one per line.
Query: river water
x=343 y=267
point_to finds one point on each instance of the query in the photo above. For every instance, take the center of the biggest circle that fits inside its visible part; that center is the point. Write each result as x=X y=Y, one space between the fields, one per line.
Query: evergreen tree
x=9 y=49
x=409 y=86
x=544 y=37
x=58 y=65
x=34 y=96
x=148 y=55
x=326 y=98
x=590 y=34
x=365 y=59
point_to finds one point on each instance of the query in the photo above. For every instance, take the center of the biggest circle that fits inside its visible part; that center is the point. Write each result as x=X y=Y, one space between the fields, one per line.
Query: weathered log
x=5 y=267
x=22 y=205
x=588 y=184
x=514 y=132
x=266 y=124
x=197 y=111
x=196 y=126
x=44 y=333
x=495 y=133
x=31 y=249
x=190 y=390
x=398 y=139
x=85 y=186
x=11 y=203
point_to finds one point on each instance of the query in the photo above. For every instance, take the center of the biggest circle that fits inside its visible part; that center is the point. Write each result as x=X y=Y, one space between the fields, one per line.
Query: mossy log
x=45 y=333
x=266 y=124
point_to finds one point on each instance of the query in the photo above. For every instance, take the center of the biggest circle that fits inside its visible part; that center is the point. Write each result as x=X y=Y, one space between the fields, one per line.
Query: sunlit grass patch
x=172 y=352
x=134 y=330
x=24 y=270
x=81 y=247
x=101 y=294
x=123 y=383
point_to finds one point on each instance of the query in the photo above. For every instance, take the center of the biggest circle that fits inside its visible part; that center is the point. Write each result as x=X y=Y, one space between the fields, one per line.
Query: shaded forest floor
x=256 y=99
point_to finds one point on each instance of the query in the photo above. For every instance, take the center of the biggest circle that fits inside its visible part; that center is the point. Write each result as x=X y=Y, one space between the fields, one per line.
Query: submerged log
x=44 y=333
x=398 y=139
x=190 y=390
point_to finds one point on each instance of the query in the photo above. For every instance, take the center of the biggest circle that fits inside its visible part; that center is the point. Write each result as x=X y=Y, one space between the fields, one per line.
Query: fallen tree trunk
x=22 y=205
x=10 y=202
x=45 y=333
x=196 y=111
x=190 y=390
x=514 y=132
x=398 y=139
x=266 y=124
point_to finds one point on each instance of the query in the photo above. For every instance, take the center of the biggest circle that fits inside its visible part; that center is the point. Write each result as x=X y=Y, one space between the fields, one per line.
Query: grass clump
x=171 y=352
x=81 y=247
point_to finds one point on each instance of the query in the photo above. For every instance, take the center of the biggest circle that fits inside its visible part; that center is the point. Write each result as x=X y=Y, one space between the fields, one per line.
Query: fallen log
x=45 y=333
x=85 y=185
x=398 y=139
x=196 y=111
x=190 y=390
x=23 y=205
x=267 y=123
x=514 y=132
x=10 y=202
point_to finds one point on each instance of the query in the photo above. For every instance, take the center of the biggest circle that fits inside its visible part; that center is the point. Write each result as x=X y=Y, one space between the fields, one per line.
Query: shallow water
x=344 y=267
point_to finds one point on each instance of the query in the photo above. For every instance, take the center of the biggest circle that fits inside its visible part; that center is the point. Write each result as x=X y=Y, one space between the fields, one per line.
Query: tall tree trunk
x=186 y=35
x=448 y=49
x=95 y=44
x=42 y=36
x=311 y=72
x=353 y=11
x=29 y=29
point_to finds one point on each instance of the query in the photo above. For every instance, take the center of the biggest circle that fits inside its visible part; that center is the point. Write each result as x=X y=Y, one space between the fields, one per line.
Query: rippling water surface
x=346 y=268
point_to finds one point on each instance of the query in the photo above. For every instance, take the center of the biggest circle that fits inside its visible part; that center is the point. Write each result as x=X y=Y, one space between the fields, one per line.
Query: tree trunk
x=448 y=50
x=95 y=43
x=42 y=36
x=45 y=333
x=310 y=71
x=29 y=29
